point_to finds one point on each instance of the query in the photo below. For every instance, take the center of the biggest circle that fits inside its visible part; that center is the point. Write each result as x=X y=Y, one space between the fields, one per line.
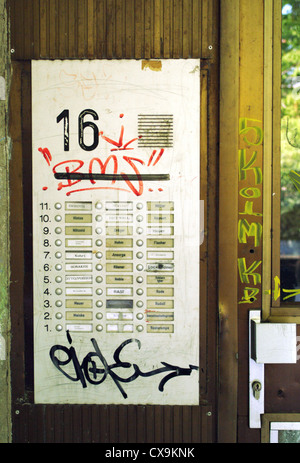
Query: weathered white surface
x=118 y=92
x=275 y=343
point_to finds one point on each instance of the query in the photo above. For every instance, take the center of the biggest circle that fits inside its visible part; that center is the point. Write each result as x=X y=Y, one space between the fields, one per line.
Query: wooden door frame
x=249 y=89
x=228 y=213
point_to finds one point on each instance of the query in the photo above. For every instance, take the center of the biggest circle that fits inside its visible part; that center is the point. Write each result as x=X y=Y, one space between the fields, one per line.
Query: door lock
x=256 y=387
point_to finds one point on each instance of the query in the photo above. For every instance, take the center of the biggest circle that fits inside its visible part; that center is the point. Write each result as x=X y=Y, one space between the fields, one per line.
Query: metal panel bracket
x=256 y=376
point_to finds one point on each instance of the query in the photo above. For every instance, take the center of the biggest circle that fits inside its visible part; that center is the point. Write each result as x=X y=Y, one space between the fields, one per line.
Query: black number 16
x=82 y=125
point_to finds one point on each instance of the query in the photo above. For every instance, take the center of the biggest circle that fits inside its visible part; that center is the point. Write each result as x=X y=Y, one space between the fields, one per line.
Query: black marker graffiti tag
x=88 y=371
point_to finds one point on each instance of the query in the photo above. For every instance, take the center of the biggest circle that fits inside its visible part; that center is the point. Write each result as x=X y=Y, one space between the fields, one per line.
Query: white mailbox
x=273 y=342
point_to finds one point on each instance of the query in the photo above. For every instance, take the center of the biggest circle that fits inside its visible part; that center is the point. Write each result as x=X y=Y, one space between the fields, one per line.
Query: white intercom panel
x=116 y=231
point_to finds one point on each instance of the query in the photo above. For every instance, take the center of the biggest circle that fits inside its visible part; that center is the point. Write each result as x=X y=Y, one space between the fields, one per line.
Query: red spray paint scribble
x=151 y=157
x=47 y=155
x=129 y=183
x=159 y=189
x=73 y=166
x=119 y=145
x=104 y=165
x=158 y=157
x=69 y=182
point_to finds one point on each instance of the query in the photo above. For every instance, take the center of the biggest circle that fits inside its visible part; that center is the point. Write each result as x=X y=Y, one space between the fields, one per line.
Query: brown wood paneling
x=111 y=424
x=228 y=278
x=106 y=29
x=111 y=28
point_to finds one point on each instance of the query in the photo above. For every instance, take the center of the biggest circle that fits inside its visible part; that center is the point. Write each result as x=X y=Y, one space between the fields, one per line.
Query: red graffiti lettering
x=69 y=182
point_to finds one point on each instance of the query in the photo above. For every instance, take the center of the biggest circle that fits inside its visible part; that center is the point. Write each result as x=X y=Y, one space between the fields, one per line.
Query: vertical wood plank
x=53 y=30
x=86 y=424
x=21 y=425
x=207 y=28
x=228 y=239
x=150 y=424
x=62 y=18
x=186 y=424
x=58 y=424
x=156 y=29
x=148 y=35
x=267 y=155
x=67 y=424
x=90 y=24
x=252 y=107
x=113 y=422
x=139 y=29
x=277 y=34
x=177 y=28
x=17 y=251
x=204 y=28
x=158 y=424
x=132 y=423
x=36 y=29
x=129 y=29
x=196 y=425
x=38 y=423
x=103 y=424
x=27 y=223
x=251 y=58
x=44 y=30
x=206 y=420
x=178 y=425
x=48 y=424
x=72 y=42
x=100 y=37
x=75 y=424
x=110 y=28
x=122 y=425
x=141 y=424
x=120 y=29
x=81 y=30
x=168 y=431
x=197 y=28
x=210 y=181
x=187 y=28
x=167 y=29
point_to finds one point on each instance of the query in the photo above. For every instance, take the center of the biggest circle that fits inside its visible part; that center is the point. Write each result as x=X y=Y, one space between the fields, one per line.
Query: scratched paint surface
x=116 y=231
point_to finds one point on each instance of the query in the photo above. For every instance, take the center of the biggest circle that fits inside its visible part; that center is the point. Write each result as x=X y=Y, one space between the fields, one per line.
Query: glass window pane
x=290 y=153
x=288 y=437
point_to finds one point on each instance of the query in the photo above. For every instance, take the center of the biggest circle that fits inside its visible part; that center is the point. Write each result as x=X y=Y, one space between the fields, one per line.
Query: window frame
x=272 y=308
x=276 y=422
